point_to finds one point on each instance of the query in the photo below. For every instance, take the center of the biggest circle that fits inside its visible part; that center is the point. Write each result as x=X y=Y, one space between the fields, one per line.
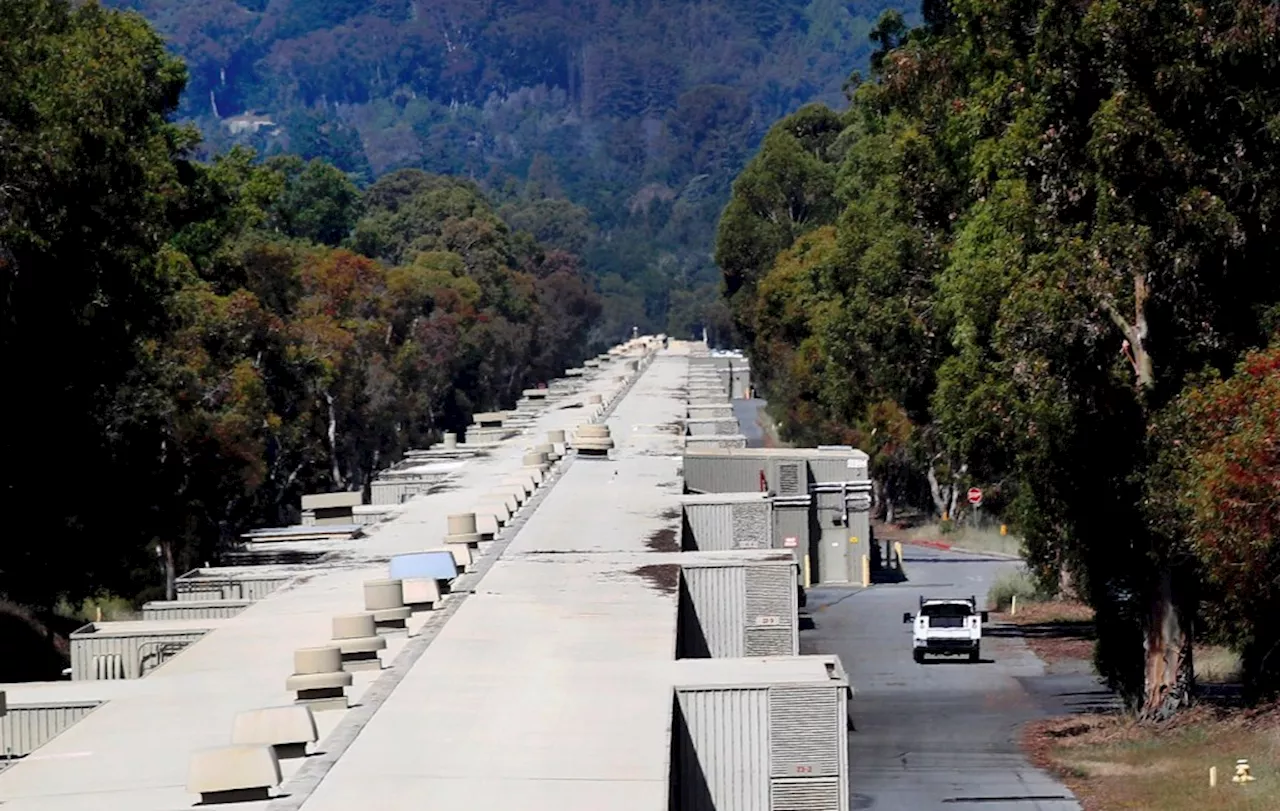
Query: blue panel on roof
x=437 y=565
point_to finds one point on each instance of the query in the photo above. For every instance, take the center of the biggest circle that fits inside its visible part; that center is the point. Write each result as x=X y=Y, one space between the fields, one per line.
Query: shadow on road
x=1063 y=629
x=888 y=575
x=957 y=661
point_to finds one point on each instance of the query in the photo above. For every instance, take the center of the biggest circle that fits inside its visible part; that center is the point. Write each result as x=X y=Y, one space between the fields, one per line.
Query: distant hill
x=641 y=112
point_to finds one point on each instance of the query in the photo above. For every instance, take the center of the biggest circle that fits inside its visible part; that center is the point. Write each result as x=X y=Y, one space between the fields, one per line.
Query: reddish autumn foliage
x=1224 y=499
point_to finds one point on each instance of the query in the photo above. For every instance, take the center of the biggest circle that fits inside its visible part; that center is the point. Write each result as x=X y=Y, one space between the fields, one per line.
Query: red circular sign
x=975 y=496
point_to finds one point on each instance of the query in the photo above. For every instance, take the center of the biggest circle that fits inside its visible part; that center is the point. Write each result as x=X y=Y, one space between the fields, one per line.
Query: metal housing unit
x=733 y=607
x=27 y=727
x=761 y=735
x=159 y=610
x=126 y=650
x=727 y=521
x=215 y=584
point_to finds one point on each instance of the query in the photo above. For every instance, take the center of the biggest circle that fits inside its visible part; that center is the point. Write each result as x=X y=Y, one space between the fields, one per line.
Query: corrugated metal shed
x=159 y=610
x=764 y=734
x=727 y=521
x=211 y=584
x=734 y=608
x=27 y=727
x=127 y=650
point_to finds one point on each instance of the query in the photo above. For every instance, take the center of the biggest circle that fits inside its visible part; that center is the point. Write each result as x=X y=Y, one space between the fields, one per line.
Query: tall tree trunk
x=170 y=570
x=334 y=471
x=937 y=491
x=877 y=498
x=1169 y=677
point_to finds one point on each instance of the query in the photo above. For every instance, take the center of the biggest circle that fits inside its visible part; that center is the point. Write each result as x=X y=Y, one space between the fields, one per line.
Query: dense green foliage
x=1011 y=262
x=190 y=346
x=639 y=113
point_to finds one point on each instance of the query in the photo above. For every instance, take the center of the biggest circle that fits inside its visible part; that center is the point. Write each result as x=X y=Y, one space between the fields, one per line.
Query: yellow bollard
x=1013 y=605
x=1213 y=776
x=1004 y=529
x=808 y=580
x=897 y=552
x=866 y=571
x=1242 y=774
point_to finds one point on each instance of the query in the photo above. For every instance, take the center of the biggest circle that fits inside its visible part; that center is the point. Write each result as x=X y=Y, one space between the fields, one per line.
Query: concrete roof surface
x=133 y=751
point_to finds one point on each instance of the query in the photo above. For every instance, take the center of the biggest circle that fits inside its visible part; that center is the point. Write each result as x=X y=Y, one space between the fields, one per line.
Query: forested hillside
x=633 y=117
x=1038 y=254
x=189 y=345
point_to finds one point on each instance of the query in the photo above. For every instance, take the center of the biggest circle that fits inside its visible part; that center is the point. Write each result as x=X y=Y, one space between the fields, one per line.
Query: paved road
x=747 y=413
x=940 y=736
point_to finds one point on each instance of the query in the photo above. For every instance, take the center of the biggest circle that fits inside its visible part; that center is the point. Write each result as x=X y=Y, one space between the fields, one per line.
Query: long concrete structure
x=545 y=678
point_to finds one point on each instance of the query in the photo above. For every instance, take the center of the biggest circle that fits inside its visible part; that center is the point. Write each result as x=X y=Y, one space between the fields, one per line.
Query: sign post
x=975 y=499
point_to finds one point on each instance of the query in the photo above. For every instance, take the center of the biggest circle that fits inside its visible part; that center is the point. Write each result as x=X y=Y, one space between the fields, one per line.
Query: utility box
x=229 y=583
x=127 y=650
x=725 y=521
x=732 y=606
x=327 y=509
x=821 y=499
x=766 y=734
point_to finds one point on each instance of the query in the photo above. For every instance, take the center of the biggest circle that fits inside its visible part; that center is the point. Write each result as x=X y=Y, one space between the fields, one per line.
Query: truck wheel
x=975 y=655
x=918 y=655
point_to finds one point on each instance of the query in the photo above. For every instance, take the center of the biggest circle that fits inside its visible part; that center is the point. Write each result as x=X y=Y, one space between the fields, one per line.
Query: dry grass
x=979 y=539
x=1215 y=664
x=1113 y=763
x=1055 y=630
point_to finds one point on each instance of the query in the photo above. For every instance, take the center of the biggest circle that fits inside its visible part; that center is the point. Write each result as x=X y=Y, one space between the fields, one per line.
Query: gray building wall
x=193 y=609
x=27 y=727
x=721 y=745
x=128 y=656
x=729 y=525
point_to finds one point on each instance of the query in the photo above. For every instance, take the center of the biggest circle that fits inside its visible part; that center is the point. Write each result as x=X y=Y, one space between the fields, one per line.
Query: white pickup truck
x=949 y=626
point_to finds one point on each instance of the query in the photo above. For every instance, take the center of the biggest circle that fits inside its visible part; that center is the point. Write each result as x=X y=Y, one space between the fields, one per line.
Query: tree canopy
x=193 y=345
x=636 y=114
x=1038 y=228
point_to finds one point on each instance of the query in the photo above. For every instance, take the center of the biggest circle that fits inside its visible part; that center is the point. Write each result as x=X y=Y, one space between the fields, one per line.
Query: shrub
x=1009 y=585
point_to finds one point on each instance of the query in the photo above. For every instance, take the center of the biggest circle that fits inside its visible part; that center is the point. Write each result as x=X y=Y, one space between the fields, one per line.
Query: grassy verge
x=975 y=539
x=1115 y=764
x=1055 y=630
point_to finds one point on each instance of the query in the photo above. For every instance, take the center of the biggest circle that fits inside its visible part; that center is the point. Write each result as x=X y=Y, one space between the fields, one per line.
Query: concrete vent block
x=535 y=467
x=462 y=556
x=425 y=576
x=556 y=437
x=548 y=450
x=486 y=523
x=516 y=492
x=536 y=459
x=493 y=506
x=535 y=394
x=421 y=593
x=593 y=440
x=287 y=730
x=522 y=482
x=507 y=499
x=356 y=635
x=318 y=678
x=384 y=599
x=489 y=419
x=462 y=529
x=450 y=440
x=233 y=774
x=594 y=399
